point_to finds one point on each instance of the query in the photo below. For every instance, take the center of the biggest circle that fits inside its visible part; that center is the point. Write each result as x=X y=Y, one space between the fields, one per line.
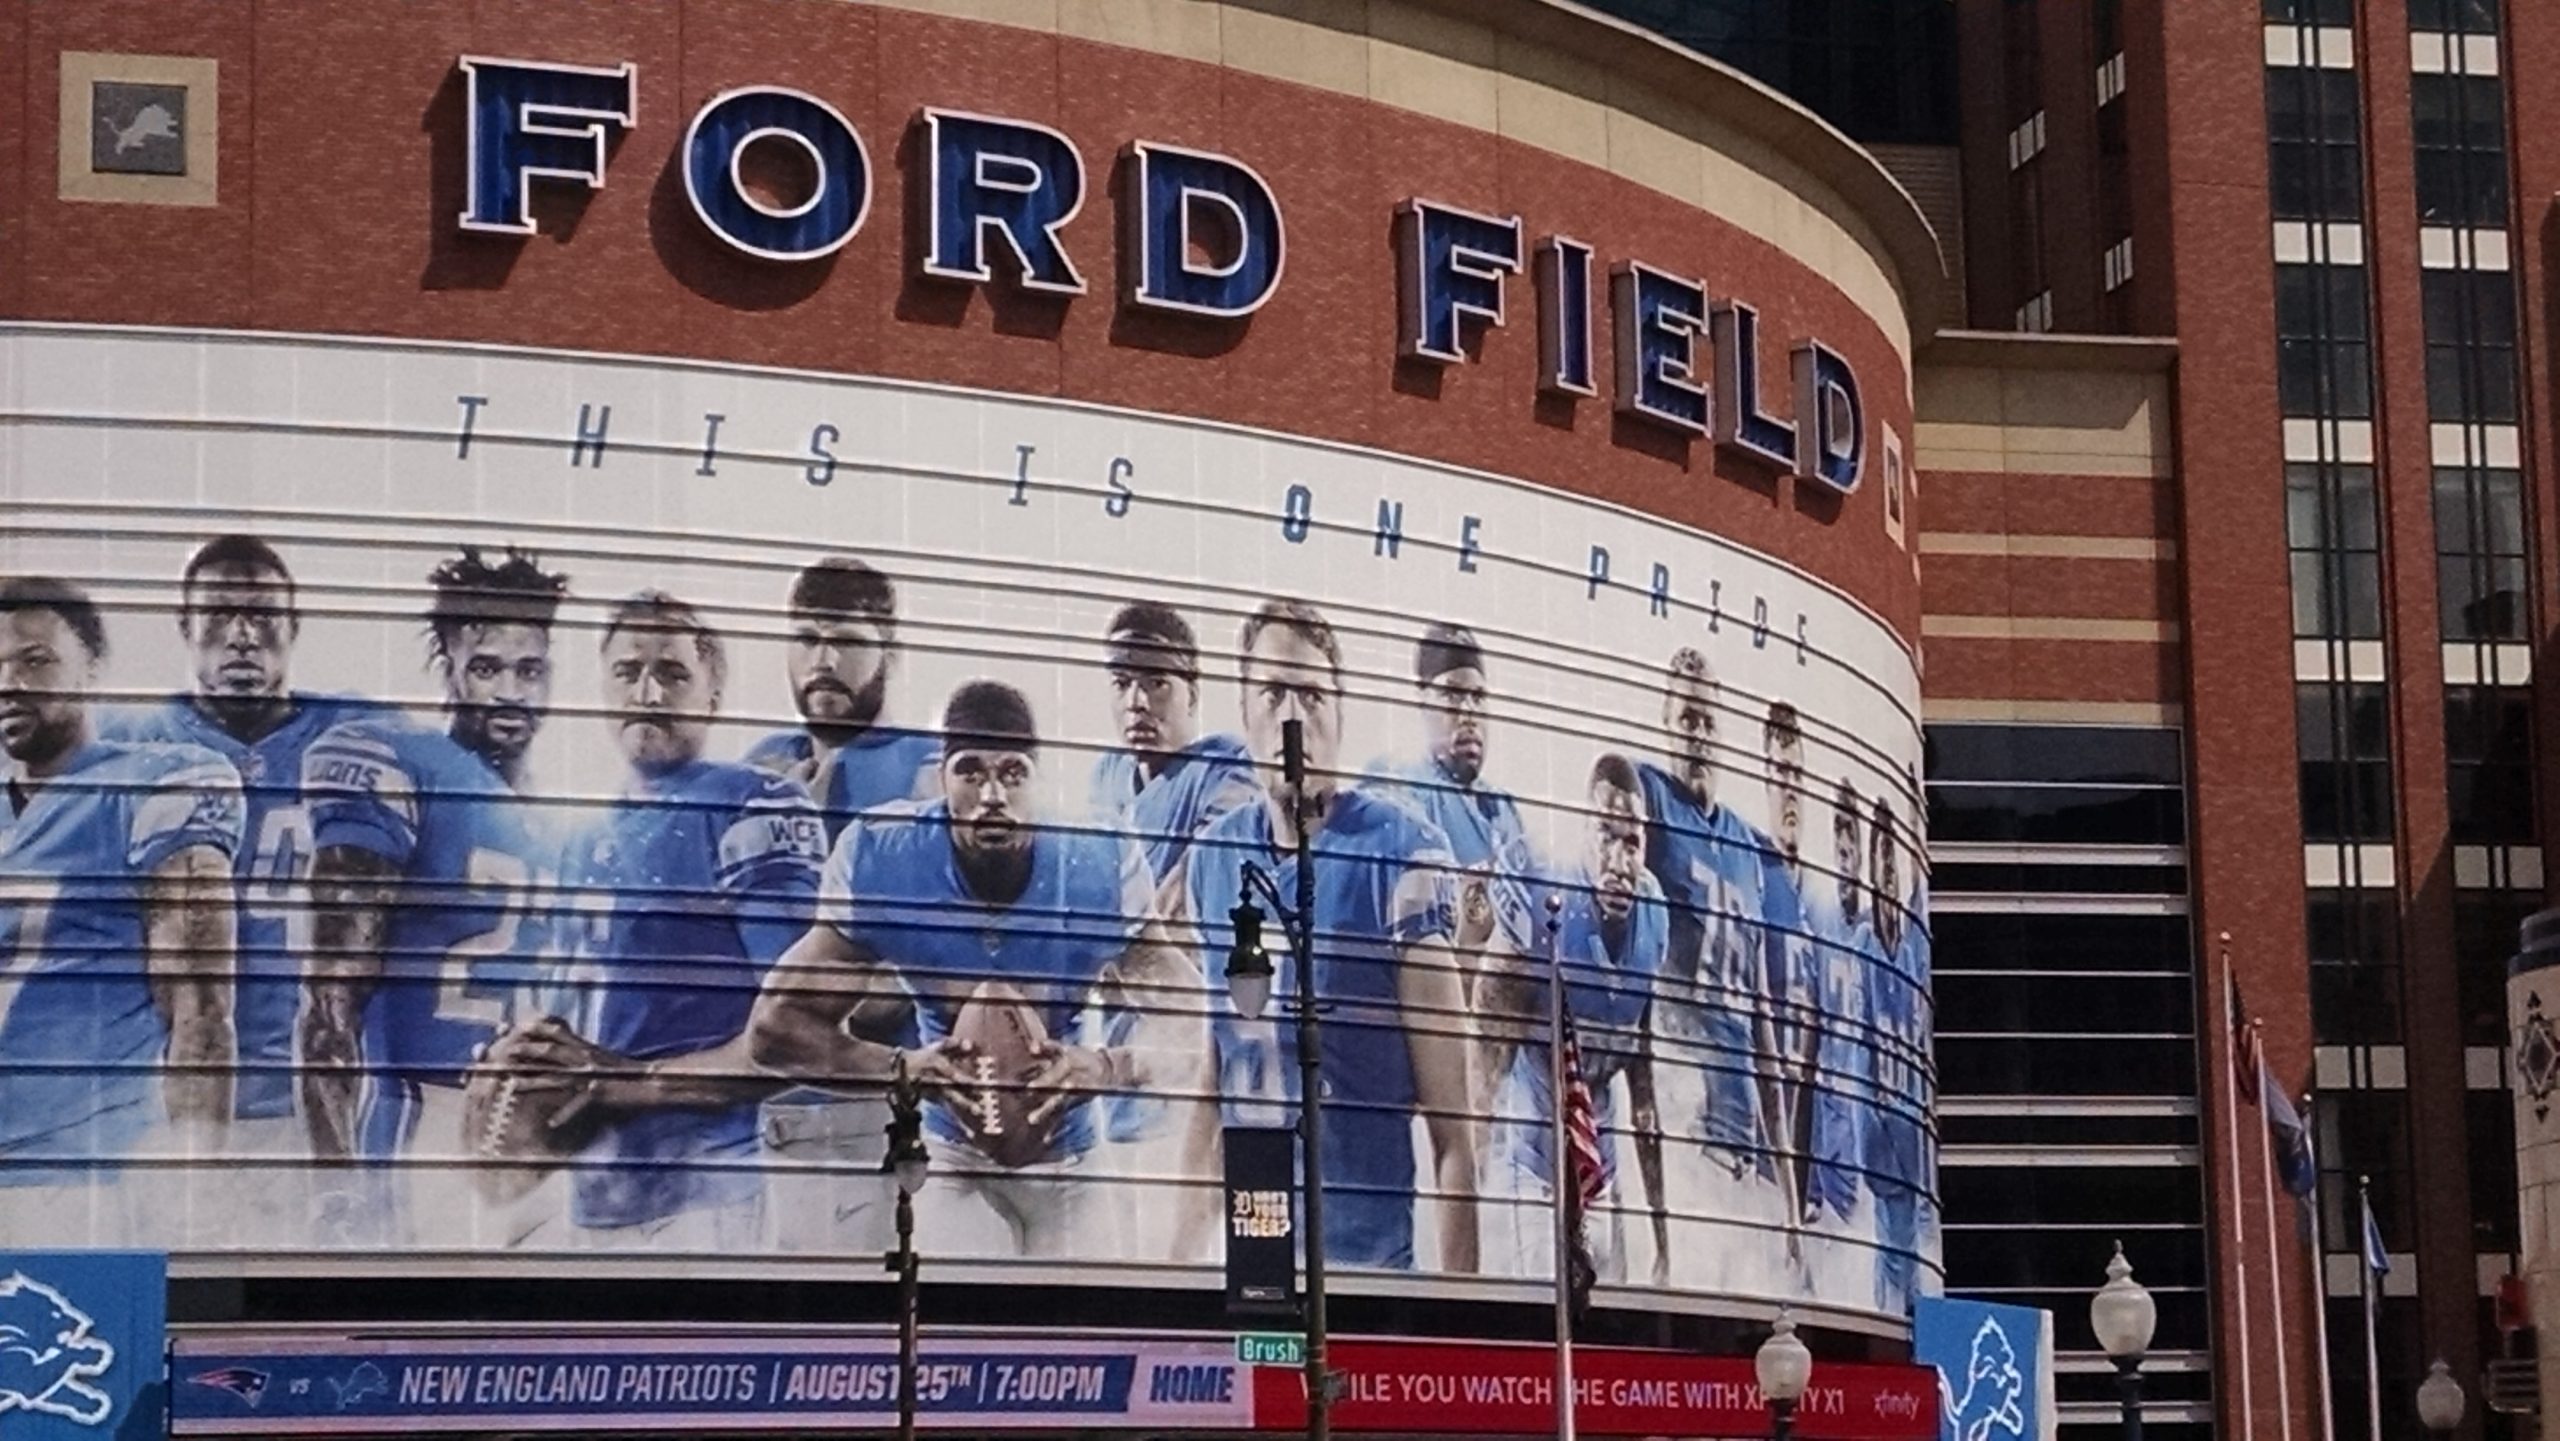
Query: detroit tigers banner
x=518 y=805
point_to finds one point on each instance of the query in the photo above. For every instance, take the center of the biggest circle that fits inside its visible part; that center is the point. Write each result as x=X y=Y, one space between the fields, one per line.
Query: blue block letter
x=526 y=121
x=1450 y=266
x=1659 y=317
x=1012 y=179
x=1191 y=199
x=819 y=225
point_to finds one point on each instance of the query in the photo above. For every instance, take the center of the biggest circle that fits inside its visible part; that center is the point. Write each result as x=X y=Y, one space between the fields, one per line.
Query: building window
x=2315 y=163
x=2471 y=345
x=2459 y=124
x=2465 y=17
x=2330 y=525
x=2036 y=316
x=2119 y=263
x=2480 y=553
x=2488 y=747
x=2485 y=924
x=2310 y=12
x=2343 y=732
x=2324 y=358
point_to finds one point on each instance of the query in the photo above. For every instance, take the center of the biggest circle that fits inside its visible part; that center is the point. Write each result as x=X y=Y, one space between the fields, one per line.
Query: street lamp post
x=2124 y=1316
x=1249 y=975
x=2439 y=1401
x=907 y=1163
x=1784 y=1368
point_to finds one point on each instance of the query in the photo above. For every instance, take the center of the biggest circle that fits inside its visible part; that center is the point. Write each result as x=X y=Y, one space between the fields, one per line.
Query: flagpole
x=2320 y=1305
x=2364 y=1268
x=2239 y=1210
x=2275 y=1266
x=1561 y=1180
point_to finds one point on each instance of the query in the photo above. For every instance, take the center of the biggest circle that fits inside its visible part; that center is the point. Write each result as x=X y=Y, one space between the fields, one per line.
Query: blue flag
x=2376 y=1259
x=2297 y=1165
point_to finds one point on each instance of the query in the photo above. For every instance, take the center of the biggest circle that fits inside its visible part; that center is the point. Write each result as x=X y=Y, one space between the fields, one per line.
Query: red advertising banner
x=1488 y=1390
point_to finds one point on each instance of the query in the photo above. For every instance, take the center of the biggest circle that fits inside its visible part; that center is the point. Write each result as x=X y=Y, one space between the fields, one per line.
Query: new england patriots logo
x=240 y=1381
x=1992 y=1386
x=47 y=1356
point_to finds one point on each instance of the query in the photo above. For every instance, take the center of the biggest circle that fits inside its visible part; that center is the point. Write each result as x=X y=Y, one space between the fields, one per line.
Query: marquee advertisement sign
x=510 y=804
x=283 y=1386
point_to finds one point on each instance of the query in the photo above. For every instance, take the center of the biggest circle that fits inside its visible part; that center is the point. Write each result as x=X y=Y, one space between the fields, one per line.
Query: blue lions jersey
x=1485 y=833
x=274 y=867
x=1201 y=782
x=1708 y=863
x=1606 y=992
x=1792 y=959
x=1901 y=1004
x=879 y=766
x=1844 y=1100
x=1381 y=884
x=688 y=887
x=81 y=1038
x=465 y=933
x=894 y=889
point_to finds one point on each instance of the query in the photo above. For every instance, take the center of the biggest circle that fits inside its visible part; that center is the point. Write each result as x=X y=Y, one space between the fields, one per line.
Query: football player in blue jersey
x=1791 y=970
x=1612 y=934
x=688 y=885
x=843 y=662
x=1398 y=1041
x=1481 y=820
x=116 y=936
x=1844 y=1074
x=967 y=902
x=1897 y=1143
x=1169 y=780
x=239 y=615
x=427 y=860
x=843 y=658
x=1707 y=860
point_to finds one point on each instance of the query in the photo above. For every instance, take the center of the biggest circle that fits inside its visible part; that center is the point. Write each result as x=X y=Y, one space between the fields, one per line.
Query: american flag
x=1581 y=1127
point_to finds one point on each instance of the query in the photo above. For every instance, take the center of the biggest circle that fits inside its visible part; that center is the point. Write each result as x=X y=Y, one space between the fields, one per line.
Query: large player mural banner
x=519 y=804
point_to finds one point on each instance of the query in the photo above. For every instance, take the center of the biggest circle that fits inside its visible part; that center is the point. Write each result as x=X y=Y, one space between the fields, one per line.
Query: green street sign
x=1271 y=1348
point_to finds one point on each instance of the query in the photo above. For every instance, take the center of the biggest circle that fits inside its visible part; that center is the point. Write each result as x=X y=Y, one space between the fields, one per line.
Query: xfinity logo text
x=1202 y=236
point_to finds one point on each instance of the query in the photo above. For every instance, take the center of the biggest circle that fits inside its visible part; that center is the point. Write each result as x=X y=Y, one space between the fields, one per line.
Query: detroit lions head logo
x=1992 y=1386
x=47 y=1356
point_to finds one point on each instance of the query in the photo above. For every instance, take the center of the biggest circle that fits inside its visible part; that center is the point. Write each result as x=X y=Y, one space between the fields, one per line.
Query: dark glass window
x=2471 y=345
x=2055 y=755
x=2355 y=967
x=2480 y=553
x=2336 y=543
x=1882 y=70
x=2470 y=17
x=2485 y=925
x=2364 y=1133
x=2488 y=741
x=2344 y=737
x=2459 y=123
x=2489 y=1134
x=2324 y=359
x=2058 y=815
x=2315 y=166
x=2002 y=1002
x=2312 y=12
x=2036 y=941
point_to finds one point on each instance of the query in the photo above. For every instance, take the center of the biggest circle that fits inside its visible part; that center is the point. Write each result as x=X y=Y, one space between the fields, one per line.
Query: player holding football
x=1708 y=862
x=688 y=886
x=964 y=909
x=427 y=859
x=1612 y=934
x=1897 y=1143
x=1169 y=781
x=1844 y=1095
x=843 y=657
x=1788 y=1029
x=1398 y=1042
x=239 y=615
x=116 y=937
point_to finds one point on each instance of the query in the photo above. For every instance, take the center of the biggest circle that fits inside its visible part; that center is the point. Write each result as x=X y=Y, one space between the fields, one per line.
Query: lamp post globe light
x=907 y=1164
x=2123 y=1315
x=1784 y=1368
x=2440 y=1401
x=1249 y=983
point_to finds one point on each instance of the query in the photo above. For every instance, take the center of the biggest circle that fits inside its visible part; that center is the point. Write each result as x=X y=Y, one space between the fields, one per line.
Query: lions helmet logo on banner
x=1994 y=1365
x=81 y=1340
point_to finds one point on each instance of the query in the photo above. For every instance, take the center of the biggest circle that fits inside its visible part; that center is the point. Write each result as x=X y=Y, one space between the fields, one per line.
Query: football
x=520 y=1119
x=1003 y=1036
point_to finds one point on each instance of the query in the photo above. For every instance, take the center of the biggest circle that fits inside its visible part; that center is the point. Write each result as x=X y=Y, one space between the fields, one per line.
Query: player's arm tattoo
x=352 y=893
x=822 y=1003
x=189 y=942
x=1432 y=998
x=1645 y=1114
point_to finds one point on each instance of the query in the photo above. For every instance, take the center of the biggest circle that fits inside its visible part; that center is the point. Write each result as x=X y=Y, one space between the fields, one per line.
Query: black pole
x=906 y=1316
x=1782 y=1420
x=1293 y=766
x=2129 y=1391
